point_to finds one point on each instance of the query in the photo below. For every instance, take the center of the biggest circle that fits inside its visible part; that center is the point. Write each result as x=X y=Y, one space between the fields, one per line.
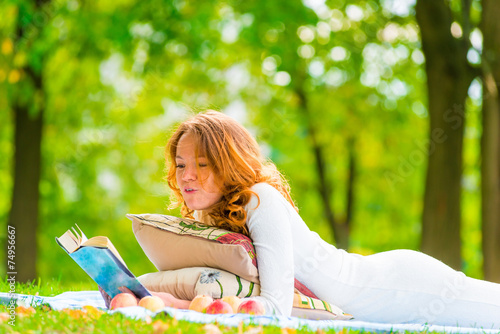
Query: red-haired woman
x=219 y=177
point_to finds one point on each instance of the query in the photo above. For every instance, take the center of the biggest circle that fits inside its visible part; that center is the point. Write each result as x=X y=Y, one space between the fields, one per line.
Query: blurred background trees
x=445 y=39
x=383 y=114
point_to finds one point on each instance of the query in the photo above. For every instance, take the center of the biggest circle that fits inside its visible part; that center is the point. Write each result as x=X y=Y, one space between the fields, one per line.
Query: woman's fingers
x=105 y=296
x=124 y=289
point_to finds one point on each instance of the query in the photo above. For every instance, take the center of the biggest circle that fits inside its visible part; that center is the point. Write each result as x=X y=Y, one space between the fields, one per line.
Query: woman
x=219 y=177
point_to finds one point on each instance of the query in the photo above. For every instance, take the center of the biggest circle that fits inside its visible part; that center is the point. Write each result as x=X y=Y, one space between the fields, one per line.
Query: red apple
x=234 y=301
x=252 y=306
x=218 y=306
x=123 y=300
x=152 y=303
x=200 y=303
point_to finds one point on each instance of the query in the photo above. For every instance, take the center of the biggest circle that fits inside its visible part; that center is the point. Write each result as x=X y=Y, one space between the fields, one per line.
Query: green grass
x=45 y=320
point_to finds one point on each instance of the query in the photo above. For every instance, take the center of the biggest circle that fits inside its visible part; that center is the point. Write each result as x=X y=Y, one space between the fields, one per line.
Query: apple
x=234 y=301
x=152 y=303
x=218 y=306
x=123 y=300
x=4 y=316
x=200 y=303
x=252 y=306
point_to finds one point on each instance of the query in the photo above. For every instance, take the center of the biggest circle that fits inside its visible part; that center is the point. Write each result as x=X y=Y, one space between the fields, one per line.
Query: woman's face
x=200 y=191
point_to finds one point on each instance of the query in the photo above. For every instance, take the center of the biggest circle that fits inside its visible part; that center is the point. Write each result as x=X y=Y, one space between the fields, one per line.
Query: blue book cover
x=101 y=261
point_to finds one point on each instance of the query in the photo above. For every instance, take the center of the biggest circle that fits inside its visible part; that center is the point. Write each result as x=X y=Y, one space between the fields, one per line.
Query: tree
x=57 y=91
x=490 y=142
x=332 y=90
x=324 y=105
x=448 y=80
x=29 y=118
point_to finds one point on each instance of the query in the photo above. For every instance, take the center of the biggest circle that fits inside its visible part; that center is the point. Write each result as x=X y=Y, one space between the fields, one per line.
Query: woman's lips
x=189 y=190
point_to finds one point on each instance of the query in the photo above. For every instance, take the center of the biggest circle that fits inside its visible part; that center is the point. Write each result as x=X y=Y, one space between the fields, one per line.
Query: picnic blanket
x=78 y=299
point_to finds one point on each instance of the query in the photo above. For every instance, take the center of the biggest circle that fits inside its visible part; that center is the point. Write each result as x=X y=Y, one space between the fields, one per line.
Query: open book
x=101 y=261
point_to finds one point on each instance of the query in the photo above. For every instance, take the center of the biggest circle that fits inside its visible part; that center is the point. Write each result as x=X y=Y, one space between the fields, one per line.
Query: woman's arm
x=270 y=230
x=171 y=301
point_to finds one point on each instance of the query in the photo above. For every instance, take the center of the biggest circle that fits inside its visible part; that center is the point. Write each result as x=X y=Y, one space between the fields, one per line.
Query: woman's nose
x=190 y=174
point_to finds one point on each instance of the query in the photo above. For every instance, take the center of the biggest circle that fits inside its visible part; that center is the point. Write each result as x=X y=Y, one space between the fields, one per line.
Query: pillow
x=174 y=243
x=315 y=309
x=189 y=282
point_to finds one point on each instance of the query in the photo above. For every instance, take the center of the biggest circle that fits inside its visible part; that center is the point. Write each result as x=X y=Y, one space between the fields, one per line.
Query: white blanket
x=77 y=299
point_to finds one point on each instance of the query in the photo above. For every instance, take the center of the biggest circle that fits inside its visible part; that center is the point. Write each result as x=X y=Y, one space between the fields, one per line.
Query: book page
x=69 y=241
x=81 y=236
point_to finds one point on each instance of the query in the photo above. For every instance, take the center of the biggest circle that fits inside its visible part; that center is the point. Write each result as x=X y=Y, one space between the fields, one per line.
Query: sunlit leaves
x=118 y=75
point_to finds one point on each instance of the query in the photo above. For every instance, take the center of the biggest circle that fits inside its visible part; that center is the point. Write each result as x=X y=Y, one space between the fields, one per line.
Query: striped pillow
x=187 y=283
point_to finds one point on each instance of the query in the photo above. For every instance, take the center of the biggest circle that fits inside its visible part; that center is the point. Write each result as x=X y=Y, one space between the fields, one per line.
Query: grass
x=41 y=319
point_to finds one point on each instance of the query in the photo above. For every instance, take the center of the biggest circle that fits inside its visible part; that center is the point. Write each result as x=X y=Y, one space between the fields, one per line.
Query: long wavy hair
x=235 y=159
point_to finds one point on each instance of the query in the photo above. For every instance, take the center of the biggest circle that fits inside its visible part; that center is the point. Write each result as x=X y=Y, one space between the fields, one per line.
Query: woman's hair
x=235 y=159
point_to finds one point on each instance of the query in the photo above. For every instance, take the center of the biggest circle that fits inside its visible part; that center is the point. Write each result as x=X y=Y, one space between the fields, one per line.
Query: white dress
x=400 y=286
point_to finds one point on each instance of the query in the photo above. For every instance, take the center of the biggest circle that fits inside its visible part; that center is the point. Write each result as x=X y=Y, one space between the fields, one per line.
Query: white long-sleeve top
x=286 y=249
x=400 y=286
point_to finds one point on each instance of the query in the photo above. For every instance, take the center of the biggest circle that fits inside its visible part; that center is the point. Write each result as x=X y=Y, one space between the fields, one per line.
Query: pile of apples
x=152 y=303
x=227 y=304
x=200 y=303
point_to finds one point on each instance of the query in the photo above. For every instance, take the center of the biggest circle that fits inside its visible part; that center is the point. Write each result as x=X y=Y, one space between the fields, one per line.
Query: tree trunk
x=28 y=119
x=340 y=228
x=24 y=211
x=490 y=141
x=448 y=79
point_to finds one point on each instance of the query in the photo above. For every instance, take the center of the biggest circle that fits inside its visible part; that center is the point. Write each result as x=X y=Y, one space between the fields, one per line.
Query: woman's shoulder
x=266 y=192
x=266 y=204
x=264 y=188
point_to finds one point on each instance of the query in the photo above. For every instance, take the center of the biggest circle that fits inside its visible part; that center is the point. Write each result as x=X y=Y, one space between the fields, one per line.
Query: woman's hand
x=105 y=296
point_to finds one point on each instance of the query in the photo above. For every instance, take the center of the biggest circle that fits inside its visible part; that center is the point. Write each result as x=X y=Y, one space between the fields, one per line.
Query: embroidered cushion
x=187 y=283
x=174 y=243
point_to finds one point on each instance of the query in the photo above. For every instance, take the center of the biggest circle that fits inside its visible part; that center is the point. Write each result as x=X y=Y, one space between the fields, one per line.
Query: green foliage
x=118 y=75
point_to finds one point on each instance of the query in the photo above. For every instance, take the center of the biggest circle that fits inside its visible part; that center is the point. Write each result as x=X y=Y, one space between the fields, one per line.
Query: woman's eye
x=203 y=165
x=179 y=166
